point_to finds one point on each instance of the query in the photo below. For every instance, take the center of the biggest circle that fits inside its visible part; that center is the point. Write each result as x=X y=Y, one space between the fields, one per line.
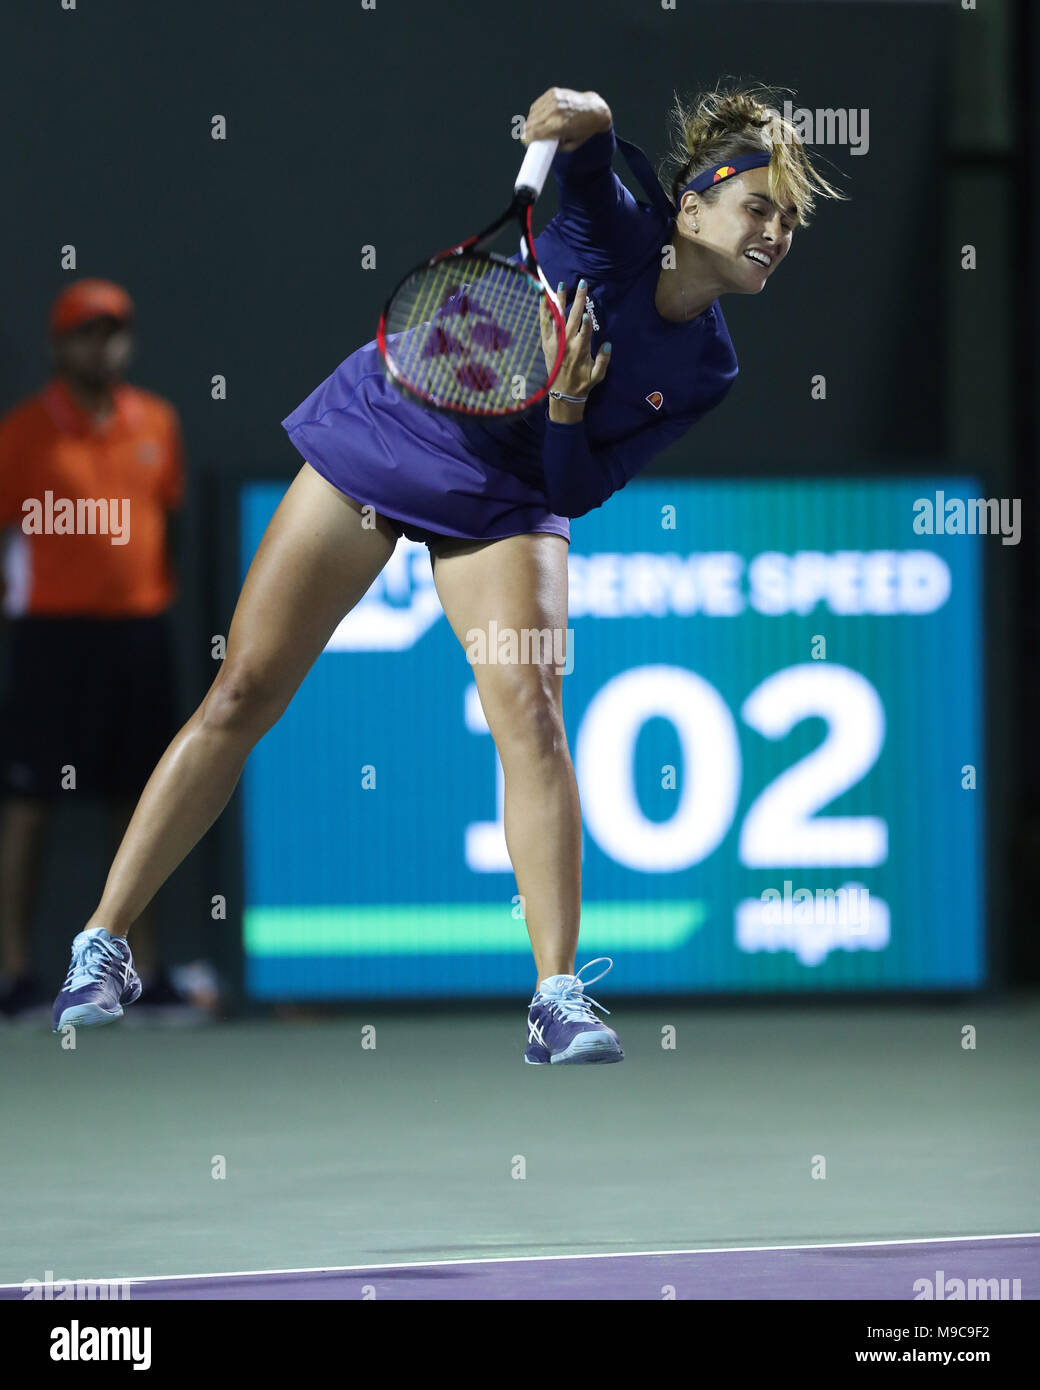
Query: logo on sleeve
x=656 y=399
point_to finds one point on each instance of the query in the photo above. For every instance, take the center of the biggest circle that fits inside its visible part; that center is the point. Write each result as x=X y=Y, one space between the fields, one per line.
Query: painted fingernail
x=559 y=288
x=605 y=347
x=582 y=285
x=584 y=318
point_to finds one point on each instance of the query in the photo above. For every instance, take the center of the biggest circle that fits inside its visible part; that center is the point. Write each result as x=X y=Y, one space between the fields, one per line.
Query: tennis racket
x=461 y=333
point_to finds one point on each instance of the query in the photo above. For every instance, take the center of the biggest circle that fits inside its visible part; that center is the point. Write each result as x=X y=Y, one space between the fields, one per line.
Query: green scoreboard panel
x=773 y=702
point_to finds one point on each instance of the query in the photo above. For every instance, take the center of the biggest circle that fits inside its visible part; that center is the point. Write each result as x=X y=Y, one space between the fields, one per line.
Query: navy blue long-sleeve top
x=662 y=377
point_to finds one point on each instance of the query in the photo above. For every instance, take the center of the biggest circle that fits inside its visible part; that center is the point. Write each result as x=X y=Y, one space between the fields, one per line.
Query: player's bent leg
x=521 y=583
x=315 y=562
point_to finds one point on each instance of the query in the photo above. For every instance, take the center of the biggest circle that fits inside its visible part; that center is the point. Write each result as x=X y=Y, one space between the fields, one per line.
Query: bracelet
x=575 y=400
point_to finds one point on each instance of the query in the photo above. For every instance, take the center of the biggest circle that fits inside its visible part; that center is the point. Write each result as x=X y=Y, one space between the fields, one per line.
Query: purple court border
x=865 y=1270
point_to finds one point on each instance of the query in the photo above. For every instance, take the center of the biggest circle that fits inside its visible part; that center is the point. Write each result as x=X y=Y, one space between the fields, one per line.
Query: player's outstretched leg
x=316 y=560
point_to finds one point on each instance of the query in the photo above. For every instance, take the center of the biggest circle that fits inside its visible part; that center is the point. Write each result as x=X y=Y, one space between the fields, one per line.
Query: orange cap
x=89 y=299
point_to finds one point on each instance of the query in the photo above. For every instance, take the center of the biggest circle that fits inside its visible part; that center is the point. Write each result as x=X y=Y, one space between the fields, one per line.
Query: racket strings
x=465 y=332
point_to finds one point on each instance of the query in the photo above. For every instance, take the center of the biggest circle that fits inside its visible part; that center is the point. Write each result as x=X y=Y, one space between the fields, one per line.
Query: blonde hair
x=730 y=121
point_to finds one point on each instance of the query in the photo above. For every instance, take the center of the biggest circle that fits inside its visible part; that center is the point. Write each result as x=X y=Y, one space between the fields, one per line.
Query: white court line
x=537 y=1259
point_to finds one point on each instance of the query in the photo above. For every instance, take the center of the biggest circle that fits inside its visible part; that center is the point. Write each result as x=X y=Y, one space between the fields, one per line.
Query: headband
x=718 y=172
x=644 y=172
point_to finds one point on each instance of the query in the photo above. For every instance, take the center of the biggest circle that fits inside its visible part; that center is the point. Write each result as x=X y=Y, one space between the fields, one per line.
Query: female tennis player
x=647 y=354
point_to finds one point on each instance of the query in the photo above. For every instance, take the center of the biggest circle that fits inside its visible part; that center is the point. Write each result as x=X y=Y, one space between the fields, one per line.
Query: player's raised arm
x=598 y=220
x=568 y=116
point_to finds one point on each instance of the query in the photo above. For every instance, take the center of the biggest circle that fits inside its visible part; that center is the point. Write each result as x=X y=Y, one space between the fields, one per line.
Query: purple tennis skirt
x=409 y=463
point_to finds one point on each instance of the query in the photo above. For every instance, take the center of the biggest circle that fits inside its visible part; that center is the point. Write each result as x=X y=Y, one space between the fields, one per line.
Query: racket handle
x=535 y=168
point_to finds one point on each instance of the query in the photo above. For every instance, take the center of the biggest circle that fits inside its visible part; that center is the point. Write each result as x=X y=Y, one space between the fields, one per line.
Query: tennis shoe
x=100 y=981
x=561 y=1027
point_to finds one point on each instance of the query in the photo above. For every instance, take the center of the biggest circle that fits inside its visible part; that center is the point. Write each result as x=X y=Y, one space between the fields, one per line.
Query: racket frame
x=521 y=208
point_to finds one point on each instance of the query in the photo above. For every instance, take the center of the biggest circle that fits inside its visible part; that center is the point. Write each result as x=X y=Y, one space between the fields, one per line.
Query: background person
x=91 y=677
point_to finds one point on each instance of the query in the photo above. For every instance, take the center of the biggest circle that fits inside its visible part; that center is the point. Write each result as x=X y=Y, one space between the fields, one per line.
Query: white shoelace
x=572 y=1004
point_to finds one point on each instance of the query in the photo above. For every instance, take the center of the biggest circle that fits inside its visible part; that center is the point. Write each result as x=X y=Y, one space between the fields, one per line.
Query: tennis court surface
x=837 y=1152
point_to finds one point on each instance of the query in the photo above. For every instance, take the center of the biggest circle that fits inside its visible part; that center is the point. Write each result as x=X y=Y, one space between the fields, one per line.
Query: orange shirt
x=86 y=503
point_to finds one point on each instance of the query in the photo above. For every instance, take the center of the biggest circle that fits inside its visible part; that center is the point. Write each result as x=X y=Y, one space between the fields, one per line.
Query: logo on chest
x=656 y=399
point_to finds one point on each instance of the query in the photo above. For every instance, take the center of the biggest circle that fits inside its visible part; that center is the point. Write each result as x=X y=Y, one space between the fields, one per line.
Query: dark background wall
x=391 y=127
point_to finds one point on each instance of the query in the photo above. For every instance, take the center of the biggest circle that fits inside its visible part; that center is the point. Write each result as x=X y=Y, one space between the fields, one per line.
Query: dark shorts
x=438 y=543
x=411 y=465
x=95 y=694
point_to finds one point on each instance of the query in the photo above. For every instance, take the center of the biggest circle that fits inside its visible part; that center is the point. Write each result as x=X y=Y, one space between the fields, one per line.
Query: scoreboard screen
x=773 y=703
